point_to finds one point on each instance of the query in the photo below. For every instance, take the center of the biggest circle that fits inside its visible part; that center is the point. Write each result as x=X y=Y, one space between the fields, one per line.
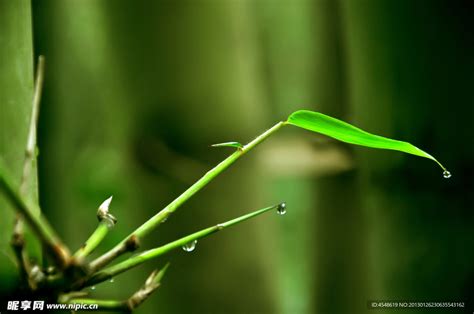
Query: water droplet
x=36 y=273
x=164 y=219
x=111 y=280
x=190 y=246
x=281 y=209
x=446 y=174
x=93 y=288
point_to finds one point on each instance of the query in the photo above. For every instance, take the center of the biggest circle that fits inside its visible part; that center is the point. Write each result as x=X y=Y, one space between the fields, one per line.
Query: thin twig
x=153 y=253
x=18 y=237
x=151 y=284
x=131 y=245
x=31 y=142
x=35 y=219
x=161 y=216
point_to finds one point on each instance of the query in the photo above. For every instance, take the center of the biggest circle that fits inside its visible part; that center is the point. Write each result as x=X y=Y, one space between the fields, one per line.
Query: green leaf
x=228 y=144
x=345 y=132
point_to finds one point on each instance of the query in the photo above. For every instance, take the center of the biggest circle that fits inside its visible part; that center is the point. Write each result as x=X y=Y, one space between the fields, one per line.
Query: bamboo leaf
x=228 y=144
x=345 y=132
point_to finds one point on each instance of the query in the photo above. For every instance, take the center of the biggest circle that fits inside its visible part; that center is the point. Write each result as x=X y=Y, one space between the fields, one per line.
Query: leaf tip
x=103 y=212
x=105 y=204
x=229 y=144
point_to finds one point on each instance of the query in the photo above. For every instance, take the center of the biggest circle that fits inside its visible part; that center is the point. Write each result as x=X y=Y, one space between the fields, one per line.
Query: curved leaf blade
x=228 y=144
x=345 y=132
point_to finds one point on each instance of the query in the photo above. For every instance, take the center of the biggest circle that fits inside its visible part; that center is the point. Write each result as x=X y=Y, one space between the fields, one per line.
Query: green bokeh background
x=136 y=91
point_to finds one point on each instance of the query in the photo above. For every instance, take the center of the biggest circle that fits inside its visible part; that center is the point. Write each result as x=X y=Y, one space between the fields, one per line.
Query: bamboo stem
x=154 y=221
x=38 y=222
x=153 y=253
x=94 y=240
x=106 y=222
x=130 y=245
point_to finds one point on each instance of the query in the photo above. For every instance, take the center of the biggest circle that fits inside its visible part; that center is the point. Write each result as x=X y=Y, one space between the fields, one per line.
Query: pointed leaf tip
x=155 y=277
x=228 y=144
x=105 y=204
x=104 y=214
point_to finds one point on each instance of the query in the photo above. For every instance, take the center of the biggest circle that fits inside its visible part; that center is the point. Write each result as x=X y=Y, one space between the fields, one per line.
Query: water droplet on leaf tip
x=281 y=209
x=190 y=246
x=446 y=174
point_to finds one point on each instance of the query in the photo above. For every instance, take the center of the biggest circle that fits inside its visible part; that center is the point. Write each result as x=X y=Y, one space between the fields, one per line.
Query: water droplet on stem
x=446 y=174
x=281 y=209
x=190 y=246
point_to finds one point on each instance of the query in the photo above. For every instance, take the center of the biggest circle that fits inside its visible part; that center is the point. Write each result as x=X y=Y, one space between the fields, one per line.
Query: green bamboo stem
x=153 y=253
x=155 y=221
x=106 y=222
x=130 y=245
x=38 y=222
x=94 y=240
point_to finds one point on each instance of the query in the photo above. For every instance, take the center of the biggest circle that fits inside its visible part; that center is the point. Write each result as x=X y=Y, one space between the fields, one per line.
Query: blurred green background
x=136 y=91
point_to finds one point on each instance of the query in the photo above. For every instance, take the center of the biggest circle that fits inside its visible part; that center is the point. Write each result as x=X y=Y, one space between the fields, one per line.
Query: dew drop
x=93 y=288
x=190 y=246
x=36 y=273
x=281 y=209
x=446 y=174
x=111 y=280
